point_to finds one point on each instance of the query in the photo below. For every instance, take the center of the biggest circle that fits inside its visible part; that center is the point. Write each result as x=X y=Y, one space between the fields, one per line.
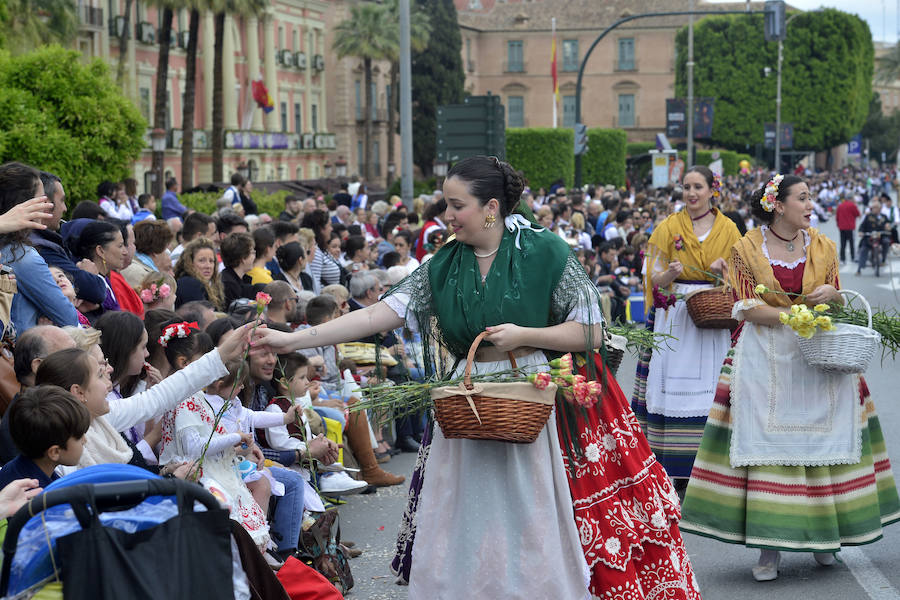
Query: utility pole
x=406 y=151
x=690 y=89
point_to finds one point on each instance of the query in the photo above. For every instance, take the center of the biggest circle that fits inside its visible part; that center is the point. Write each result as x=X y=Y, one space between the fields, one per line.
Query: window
x=281 y=36
x=298 y=173
x=359 y=102
x=516 y=106
x=376 y=157
x=359 y=157
x=626 y=54
x=568 y=111
x=626 y=110
x=570 y=55
x=374 y=107
x=284 y=116
x=145 y=103
x=514 y=57
x=314 y=117
x=298 y=118
x=296 y=36
x=387 y=97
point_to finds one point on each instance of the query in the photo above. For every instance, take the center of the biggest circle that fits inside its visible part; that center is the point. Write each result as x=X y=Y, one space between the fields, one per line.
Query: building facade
x=507 y=52
x=285 y=48
x=888 y=91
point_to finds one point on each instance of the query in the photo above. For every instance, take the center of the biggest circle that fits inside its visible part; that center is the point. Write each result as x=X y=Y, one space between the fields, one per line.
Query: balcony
x=91 y=17
x=514 y=67
x=379 y=115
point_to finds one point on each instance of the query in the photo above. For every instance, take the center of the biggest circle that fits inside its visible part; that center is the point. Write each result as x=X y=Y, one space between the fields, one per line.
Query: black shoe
x=370 y=490
x=408 y=444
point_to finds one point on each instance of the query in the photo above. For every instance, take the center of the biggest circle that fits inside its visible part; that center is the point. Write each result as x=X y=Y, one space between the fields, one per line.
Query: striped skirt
x=789 y=507
x=674 y=440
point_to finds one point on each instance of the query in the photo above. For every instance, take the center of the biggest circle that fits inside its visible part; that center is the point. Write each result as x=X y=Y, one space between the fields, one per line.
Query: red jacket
x=125 y=294
x=847 y=214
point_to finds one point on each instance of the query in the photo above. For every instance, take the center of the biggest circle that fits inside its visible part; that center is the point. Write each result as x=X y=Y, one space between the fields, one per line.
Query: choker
x=789 y=242
x=701 y=216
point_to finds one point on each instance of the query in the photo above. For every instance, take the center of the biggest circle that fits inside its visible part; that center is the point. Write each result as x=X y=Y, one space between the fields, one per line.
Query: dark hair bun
x=515 y=186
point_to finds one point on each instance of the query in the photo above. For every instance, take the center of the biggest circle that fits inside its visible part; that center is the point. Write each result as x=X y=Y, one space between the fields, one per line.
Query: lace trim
x=781 y=263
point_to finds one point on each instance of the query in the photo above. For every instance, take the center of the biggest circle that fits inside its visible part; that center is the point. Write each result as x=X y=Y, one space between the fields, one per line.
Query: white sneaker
x=340 y=484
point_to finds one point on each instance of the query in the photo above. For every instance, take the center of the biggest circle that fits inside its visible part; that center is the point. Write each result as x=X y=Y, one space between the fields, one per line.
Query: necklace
x=789 y=242
x=488 y=255
x=701 y=216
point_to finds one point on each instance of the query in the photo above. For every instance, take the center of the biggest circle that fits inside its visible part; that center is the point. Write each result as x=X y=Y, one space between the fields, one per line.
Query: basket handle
x=853 y=294
x=467 y=376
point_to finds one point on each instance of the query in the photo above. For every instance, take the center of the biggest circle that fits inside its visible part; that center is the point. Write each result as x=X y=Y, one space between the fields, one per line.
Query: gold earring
x=490 y=221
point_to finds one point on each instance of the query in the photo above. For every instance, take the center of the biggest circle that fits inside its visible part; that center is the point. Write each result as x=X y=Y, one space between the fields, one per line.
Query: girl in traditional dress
x=792 y=457
x=675 y=384
x=489 y=519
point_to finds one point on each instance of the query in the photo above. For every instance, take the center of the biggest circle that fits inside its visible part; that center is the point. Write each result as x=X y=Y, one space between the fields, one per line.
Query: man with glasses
x=283 y=306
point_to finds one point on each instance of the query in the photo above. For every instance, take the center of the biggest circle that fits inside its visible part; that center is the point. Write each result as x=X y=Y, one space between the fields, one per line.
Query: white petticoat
x=495 y=520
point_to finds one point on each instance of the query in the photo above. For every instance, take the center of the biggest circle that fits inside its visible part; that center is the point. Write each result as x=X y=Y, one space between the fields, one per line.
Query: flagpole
x=554 y=76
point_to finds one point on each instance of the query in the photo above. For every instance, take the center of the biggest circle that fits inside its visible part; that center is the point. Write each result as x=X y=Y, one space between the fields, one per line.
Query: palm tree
x=187 y=114
x=32 y=23
x=222 y=8
x=887 y=67
x=419 y=34
x=123 y=43
x=162 y=96
x=368 y=34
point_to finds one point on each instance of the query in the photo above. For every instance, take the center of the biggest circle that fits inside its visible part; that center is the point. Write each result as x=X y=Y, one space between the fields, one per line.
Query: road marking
x=869 y=577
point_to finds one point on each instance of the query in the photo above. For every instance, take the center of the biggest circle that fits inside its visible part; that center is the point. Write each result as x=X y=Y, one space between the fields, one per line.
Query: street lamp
x=440 y=169
x=158 y=144
x=778 y=91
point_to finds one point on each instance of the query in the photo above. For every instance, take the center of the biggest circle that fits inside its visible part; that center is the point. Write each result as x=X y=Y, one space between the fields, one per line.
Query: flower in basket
x=540 y=380
x=805 y=321
x=563 y=362
x=679 y=241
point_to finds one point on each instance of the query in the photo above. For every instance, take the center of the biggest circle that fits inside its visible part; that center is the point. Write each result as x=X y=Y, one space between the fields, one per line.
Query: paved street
x=867 y=572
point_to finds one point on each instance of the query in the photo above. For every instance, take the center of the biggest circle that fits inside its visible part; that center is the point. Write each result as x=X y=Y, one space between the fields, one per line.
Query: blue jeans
x=331 y=413
x=288 y=517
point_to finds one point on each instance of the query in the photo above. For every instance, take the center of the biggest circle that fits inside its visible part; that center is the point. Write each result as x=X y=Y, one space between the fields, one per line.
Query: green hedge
x=604 y=162
x=419 y=187
x=639 y=148
x=544 y=154
x=205 y=202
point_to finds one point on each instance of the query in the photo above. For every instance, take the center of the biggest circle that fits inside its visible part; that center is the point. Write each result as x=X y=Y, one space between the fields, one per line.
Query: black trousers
x=847 y=238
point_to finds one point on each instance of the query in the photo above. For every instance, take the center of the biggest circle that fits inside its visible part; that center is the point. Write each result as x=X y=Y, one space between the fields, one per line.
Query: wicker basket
x=711 y=308
x=615 y=351
x=847 y=349
x=514 y=411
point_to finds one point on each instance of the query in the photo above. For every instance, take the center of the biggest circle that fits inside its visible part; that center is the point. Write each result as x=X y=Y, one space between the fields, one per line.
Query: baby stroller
x=116 y=531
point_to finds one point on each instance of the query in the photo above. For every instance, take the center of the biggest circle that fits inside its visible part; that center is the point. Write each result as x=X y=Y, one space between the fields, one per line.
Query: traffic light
x=774 y=20
x=581 y=140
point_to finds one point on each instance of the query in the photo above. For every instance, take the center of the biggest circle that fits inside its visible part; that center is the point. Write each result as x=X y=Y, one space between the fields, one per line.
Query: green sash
x=518 y=288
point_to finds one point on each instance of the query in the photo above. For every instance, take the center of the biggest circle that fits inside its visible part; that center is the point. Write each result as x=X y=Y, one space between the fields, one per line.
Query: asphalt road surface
x=870 y=572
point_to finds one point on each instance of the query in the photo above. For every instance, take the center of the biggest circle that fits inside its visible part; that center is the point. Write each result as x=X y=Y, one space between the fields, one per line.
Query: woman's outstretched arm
x=353 y=326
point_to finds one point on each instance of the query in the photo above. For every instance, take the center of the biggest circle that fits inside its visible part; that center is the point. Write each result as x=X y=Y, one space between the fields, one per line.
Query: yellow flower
x=823 y=322
x=761 y=289
x=806 y=332
x=805 y=317
x=821 y=307
x=784 y=317
x=796 y=308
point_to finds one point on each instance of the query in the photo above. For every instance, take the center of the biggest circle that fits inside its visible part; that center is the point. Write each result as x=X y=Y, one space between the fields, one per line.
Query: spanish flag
x=261 y=96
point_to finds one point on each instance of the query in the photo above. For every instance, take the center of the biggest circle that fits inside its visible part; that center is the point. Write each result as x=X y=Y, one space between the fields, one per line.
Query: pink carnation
x=146 y=296
x=164 y=290
x=540 y=380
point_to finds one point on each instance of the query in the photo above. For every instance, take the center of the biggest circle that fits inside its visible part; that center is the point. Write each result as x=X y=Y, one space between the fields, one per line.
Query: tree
x=437 y=78
x=162 y=97
x=367 y=34
x=187 y=114
x=123 y=42
x=826 y=77
x=32 y=23
x=68 y=118
x=882 y=131
x=419 y=34
x=221 y=9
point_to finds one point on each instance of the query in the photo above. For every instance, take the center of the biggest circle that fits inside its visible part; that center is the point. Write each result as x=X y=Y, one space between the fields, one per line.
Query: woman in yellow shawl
x=792 y=458
x=675 y=385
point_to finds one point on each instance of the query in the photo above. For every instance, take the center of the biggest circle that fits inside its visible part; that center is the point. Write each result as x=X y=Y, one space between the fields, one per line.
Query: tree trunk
x=187 y=115
x=159 y=110
x=123 y=44
x=218 y=116
x=367 y=137
x=391 y=120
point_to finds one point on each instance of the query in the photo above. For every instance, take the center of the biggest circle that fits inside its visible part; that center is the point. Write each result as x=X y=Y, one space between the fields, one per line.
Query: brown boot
x=357 y=437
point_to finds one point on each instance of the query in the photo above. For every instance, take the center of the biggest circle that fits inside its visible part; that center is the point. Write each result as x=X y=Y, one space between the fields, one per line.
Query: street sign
x=475 y=127
x=854 y=146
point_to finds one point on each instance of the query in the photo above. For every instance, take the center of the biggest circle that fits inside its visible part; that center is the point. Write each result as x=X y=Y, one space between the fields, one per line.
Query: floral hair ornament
x=155 y=292
x=771 y=193
x=177 y=330
x=716 y=186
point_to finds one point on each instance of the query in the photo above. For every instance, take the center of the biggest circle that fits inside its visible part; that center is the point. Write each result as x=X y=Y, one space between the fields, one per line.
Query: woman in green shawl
x=494 y=520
